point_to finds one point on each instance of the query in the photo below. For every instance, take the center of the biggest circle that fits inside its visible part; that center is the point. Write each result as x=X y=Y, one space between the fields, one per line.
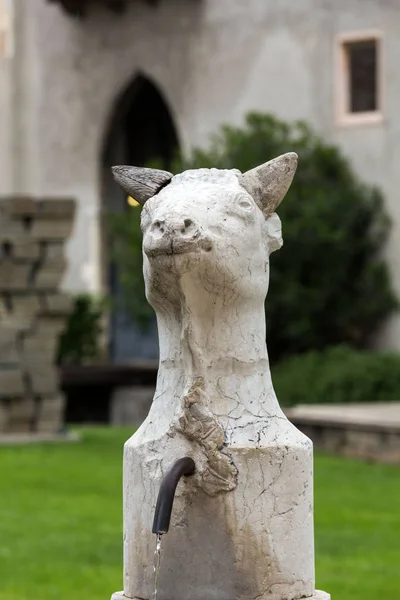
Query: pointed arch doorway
x=141 y=129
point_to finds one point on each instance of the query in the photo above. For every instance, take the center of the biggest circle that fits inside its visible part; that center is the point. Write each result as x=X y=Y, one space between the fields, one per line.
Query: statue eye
x=245 y=204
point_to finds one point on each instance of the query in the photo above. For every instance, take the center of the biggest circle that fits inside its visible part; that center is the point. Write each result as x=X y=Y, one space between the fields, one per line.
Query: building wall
x=213 y=60
x=6 y=84
x=374 y=149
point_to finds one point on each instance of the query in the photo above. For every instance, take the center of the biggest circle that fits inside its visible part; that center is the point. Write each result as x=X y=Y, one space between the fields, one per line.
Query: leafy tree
x=80 y=340
x=329 y=284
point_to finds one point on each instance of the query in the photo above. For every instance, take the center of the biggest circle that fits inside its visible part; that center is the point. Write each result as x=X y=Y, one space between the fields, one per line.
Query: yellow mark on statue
x=132 y=201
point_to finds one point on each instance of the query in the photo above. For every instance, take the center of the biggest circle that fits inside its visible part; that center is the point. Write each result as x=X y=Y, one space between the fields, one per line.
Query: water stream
x=157 y=564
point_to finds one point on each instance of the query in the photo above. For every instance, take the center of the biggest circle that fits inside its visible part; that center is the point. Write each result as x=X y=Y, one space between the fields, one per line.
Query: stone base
x=317 y=596
x=367 y=431
x=16 y=439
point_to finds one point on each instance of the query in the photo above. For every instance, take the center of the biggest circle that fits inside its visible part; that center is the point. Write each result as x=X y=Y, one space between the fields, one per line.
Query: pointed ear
x=273 y=229
x=269 y=182
x=141 y=183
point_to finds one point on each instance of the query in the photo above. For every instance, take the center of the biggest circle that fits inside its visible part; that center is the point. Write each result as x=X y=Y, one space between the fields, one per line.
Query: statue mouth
x=174 y=247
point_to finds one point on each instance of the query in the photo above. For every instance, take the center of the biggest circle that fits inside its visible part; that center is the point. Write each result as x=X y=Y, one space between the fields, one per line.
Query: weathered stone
x=32 y=359
x=16 y=427
x=18 y=206
x=51 y=405
x=11 y=383
x=248 y=507
x=52 y=425
x=8 y=346
x=4 y=415
x=49 y=325
x=32 y=311
x=20 y=313
x=15 y=242
x=11 y=230
x=317 y=596
x=50 y=413
x=48 y=280
x=36 y=343
x=49 y=230
x=57 y=304
x=24 y=250
x=369 y=431
x=18 y=322
x=44 y=379
x=27 y=304
x=60 y=436
x=54 y=252
x=22 y=409
x=60 y=208
x=4 y=309
x=49 y=275
x=14 y=277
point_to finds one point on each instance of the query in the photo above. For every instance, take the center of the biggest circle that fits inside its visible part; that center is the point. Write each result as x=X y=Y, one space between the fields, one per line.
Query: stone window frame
x=6 y=29
x=343 y=115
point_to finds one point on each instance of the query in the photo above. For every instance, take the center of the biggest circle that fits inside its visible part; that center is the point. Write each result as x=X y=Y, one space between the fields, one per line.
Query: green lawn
x=60 y=523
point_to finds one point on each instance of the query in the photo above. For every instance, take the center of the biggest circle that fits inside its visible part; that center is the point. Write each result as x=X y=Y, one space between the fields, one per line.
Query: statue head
x=214 y=228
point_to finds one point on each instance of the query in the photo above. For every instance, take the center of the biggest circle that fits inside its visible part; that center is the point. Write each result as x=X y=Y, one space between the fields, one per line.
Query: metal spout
x=162 y=516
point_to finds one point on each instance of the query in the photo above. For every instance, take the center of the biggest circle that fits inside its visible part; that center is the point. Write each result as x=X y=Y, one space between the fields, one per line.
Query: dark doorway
x=141 y=130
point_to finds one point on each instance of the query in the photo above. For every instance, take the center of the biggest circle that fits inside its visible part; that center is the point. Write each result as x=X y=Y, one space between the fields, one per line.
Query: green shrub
x=338 y=375
x=329 y=284
x=80 y=340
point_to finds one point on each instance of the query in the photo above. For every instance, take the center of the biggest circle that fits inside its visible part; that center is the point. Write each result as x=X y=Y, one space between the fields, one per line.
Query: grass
x=61 y=512
x=357 y=527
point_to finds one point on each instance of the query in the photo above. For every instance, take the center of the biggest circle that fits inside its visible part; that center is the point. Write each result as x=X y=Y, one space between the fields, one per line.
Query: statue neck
x=211 y=327
x=201 y=338
x=220 y=340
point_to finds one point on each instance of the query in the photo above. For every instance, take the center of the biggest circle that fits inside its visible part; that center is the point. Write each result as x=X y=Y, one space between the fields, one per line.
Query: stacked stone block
x=33 y=311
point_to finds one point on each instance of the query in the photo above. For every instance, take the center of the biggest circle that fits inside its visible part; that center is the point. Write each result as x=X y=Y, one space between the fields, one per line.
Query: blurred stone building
x=85 y=84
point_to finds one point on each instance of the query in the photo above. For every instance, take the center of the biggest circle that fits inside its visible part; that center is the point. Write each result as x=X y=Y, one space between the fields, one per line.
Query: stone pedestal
x=243 y=529
x=318 y=595
x=242 y=524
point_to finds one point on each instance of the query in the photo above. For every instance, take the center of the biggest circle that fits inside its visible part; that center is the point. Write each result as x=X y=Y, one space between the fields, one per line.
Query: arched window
x=141 y=129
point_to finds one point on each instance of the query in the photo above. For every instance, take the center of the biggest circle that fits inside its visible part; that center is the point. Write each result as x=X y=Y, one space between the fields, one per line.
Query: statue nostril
x=158 y=225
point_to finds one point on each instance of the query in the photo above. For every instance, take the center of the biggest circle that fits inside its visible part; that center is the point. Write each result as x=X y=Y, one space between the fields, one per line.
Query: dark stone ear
x=139 y=182
x=269 y=182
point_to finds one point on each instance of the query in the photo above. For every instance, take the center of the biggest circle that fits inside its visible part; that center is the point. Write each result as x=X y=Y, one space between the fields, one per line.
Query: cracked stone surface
x=318 y=595
x=242 y=526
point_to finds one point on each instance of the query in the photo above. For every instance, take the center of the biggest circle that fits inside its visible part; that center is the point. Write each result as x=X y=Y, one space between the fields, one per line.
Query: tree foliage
x=80 y=340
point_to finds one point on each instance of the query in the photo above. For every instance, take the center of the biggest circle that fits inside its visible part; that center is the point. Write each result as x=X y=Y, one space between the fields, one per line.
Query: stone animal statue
x=243 y=524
